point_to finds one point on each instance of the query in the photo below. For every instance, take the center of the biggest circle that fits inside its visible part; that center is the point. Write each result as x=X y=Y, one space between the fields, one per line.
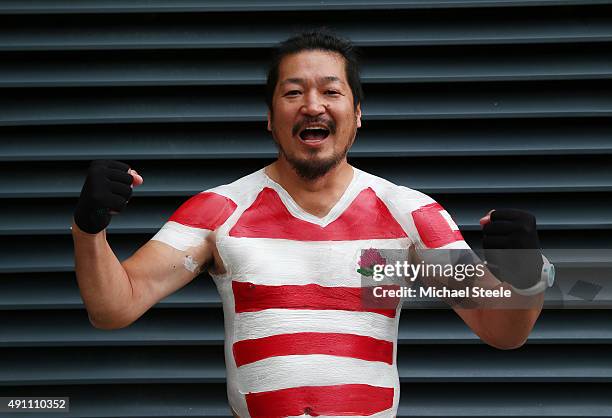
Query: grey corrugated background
x=479 y=103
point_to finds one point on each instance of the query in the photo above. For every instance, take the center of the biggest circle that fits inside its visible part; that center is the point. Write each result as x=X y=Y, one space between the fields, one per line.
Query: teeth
x=311 y=129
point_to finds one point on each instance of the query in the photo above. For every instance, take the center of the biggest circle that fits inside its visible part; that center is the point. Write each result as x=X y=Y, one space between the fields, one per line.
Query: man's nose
x=313 y=104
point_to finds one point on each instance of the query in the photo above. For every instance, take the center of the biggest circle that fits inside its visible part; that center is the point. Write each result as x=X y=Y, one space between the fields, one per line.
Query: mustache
x=328 y=123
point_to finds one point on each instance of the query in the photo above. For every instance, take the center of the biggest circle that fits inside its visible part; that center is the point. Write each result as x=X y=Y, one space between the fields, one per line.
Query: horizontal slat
x=104 y=365
x=205 y=364
x=249 y=140
x=67 y=328
x=165 y=6
x=554 y=212
x=430 y=175
x=417 y=400
x=485 y=63
x=60 y=291
x=233 y=104
x=505 y=400
x=193 y=30
x=248 y=67
x=146 y=215
x=531 y=363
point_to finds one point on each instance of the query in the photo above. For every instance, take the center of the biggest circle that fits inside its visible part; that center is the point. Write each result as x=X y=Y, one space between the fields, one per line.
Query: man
x=281 y=244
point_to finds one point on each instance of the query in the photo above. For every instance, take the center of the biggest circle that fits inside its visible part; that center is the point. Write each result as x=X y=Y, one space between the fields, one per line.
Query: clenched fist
x=512 y=247
x=106 y=191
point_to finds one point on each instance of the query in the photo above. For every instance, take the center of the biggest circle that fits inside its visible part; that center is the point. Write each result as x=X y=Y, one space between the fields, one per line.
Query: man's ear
x=358 y=115
x=269 y=121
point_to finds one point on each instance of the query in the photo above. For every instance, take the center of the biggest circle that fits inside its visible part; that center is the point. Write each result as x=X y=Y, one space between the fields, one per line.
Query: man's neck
x=314 y=196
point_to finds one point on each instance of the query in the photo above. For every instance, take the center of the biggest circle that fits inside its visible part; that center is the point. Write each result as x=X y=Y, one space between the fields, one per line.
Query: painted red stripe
x=433 y=228
x=250 y=297
x=205 y=210
x=352 y=399
x=367 y=217
x=333 y=344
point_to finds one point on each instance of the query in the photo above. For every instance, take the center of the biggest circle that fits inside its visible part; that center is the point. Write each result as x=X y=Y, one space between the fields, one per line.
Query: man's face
x=313 y=119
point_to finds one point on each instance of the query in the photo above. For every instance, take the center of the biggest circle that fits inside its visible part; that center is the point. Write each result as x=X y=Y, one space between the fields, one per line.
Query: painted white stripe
x=449 y=220
x=180 y=236
x=278 y=262
x=284 y=372
x=250 y=325
x=388 y=413
x=457 y=245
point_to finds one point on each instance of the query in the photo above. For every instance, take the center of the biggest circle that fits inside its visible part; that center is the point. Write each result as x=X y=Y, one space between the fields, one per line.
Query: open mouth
x=314 y=135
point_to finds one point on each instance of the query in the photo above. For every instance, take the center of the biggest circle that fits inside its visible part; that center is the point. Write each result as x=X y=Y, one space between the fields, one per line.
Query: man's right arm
x=117 y=293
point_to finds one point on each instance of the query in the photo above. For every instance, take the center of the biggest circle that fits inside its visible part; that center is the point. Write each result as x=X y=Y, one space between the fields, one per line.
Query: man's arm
x=512 y=249
x=499 y=327
x=502 y=328
x=118 y=293
x=491 y=319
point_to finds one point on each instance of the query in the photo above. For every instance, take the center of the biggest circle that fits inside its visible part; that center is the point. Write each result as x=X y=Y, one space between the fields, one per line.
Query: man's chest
x=281 y=261
x=273 y=240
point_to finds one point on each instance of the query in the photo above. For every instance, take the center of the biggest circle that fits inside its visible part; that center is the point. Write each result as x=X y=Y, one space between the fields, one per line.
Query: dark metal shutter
x=481 y=104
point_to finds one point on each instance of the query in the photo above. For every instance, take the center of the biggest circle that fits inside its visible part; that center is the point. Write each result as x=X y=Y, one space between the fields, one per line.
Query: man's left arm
x=512 y=251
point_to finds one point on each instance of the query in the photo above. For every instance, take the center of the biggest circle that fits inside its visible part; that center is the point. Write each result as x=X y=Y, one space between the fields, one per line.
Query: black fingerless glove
x=512 y=247
x=107 y=188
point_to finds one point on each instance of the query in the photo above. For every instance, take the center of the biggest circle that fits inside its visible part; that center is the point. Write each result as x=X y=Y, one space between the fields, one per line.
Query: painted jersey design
x=297 y=339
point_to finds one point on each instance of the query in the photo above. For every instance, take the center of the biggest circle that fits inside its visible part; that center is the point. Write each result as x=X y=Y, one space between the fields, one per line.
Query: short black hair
x=318 y=39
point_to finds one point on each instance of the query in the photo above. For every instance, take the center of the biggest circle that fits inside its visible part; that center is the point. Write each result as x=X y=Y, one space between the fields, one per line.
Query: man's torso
x=298 y=339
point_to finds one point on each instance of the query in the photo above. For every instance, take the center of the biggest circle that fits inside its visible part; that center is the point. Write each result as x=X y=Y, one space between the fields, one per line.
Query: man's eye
x=332 y=92
x=292 y=93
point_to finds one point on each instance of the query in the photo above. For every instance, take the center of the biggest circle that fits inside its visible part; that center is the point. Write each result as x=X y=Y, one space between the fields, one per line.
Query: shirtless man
x=280 y=245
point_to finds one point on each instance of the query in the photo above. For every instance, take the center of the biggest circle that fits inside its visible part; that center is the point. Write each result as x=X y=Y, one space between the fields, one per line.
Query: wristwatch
x=547 y=279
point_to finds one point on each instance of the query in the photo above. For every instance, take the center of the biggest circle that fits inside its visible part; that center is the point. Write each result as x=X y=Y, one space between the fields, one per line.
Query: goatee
x=313 y=168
